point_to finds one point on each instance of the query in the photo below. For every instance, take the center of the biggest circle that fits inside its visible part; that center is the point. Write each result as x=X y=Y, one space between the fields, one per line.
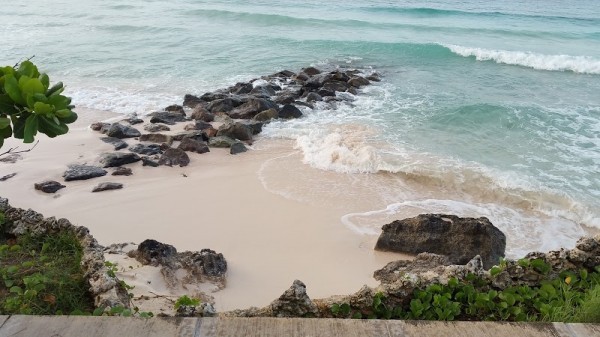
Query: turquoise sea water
x=498 y=101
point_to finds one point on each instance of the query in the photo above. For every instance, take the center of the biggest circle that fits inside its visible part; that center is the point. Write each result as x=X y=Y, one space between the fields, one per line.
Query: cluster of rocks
x=205 y=265
x=106 y=290
x=226 y=118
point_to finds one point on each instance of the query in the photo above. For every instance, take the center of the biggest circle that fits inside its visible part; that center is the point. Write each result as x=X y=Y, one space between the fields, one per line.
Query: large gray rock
x=176 y=157
x=458 y=238
x=156 y=138
x=154 y=253
x=192 y=145
x=267 y=115
x=289 y=111
x=358 y=81
x=120 y=131
x=156 y=128
x=49 y=186
x=221 y=141
x=294 y=302
x=116 y=142
x=201 y=114
x=83 y=172
x=237 y=147
x=236 y=131
x=252 y=107
x=118 y=159
x=167 y=117
x=146 y=149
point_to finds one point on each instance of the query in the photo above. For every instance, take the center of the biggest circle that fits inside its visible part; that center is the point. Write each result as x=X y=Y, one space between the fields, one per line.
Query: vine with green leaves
x=28 y=104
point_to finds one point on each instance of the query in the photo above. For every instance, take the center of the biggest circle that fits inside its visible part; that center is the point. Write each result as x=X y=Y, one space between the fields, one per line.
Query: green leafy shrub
x=43 y=276
x=186 y=301
x=29 y=104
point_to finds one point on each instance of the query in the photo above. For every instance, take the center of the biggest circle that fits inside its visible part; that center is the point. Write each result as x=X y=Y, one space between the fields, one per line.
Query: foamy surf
x=576 y=64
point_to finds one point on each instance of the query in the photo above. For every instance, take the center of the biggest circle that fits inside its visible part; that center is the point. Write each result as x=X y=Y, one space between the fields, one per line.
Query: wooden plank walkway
x=78 y=326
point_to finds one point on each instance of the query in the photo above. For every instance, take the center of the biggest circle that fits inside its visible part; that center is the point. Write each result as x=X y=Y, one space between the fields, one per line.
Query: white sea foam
x=577 y=64
x=525 y=232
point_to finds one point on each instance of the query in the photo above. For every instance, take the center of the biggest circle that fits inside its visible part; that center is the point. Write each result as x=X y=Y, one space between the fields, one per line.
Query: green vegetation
x=186 y=301
x=572 y=297
x=42 y=276
x=29 y=104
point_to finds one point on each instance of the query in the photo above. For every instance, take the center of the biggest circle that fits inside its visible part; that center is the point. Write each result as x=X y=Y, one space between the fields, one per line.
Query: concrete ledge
x=78 y=326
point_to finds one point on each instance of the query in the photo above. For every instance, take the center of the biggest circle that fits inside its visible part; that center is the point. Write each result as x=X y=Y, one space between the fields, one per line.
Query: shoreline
x=268 y=240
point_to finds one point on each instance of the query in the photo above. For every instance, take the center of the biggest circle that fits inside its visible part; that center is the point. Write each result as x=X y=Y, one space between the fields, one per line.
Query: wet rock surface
x=83 y=172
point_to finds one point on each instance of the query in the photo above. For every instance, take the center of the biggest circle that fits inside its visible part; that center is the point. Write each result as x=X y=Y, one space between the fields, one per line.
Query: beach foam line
x=576 y=64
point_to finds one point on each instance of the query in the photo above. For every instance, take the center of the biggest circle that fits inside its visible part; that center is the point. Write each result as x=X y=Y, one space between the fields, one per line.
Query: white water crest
x=577 y=64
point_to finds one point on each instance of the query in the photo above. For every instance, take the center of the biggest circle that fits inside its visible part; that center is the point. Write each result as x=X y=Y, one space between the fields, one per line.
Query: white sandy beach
x=219 y=202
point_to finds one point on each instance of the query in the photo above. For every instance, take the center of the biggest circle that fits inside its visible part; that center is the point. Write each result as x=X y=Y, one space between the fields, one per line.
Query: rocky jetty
x=460 y=239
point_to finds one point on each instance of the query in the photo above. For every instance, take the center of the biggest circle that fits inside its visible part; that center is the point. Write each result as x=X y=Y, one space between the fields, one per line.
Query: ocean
x=485 y=108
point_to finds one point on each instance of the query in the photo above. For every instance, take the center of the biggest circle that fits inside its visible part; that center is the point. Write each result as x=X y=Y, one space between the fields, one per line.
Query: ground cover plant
x=573 y=296
x=42 y=275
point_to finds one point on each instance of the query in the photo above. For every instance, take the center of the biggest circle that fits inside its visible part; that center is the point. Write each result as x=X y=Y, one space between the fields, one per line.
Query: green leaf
x=33 y=86
x=42 y=108
x=335 y=308
x=56 y=88
x=31 y=128
x=69 y=119
x=45 y=81
x=11 y=87
x=59 y=101
x=27 y=68
x=16 y=290
x=4 y=122
x=98 y=311
x=51 y=129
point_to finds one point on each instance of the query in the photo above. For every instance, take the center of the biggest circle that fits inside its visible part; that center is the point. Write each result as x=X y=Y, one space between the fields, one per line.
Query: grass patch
x=42 y=275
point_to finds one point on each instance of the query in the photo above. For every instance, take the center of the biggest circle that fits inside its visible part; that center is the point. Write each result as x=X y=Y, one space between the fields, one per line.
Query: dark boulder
x=49 y=186
x=313 y=97
x=196 y=135
x=122 y=171
x=337 y=76
x=176 y=108
x=147 y=161
x=374 y=77
x=146 y=149
x=326 y=93
x=263 y=90
x=83 y=172
x=358 y=81
x=286 y=99
x=213 y=96
x=134 y=120
x=201 y=114
x=100 y=126
x=252 y=107
x=120 y=131
x=154 y=253
x=335 y=86
x=241 y=88
x=289 y=111
x=107 y=187
x=236 y=131
x=167 y=117
x=458 y=238
x=156 y=138
x=191 y=101
x=237 y=147
x=266 y=115
x=221 y=141
x=311 y=71
x=282 y=74
x=156 y=127
x=222 y=105
x=8 y=176
x=115 y=159
x=115 y=142
x=192 y=145
x=207 y=262
x=175 y=157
